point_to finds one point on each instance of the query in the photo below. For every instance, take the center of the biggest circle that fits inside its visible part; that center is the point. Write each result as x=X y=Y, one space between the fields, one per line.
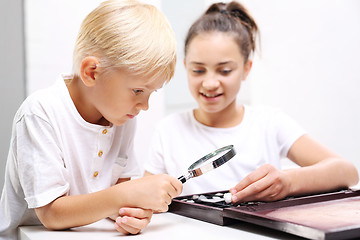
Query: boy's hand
x=264 y=184
x=132 y=220
x=153 y=192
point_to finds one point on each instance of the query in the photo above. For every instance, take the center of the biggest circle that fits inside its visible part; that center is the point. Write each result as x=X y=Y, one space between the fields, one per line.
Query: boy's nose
x=144 y=105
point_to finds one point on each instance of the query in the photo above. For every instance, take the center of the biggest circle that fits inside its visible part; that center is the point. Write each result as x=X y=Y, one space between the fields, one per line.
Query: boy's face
x=119 y=96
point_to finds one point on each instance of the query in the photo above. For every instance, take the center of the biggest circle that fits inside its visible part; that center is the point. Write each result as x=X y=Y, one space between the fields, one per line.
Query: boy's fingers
x=120 y=229
x=177 y=187
x=163 y=208
x=135 y=212
x=125 y=229
x=132 y=225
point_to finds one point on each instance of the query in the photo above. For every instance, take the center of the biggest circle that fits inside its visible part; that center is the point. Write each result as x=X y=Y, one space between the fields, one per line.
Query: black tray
x=334 y=215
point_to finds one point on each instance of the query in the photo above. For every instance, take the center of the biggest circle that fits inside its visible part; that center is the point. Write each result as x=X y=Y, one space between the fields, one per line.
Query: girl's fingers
x=254 y=185
x=267 y=194
x=252 y=178
x=253 y=191
x=274 y=185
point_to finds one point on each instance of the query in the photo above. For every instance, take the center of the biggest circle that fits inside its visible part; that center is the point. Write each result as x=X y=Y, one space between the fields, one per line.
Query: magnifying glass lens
x=209 y=162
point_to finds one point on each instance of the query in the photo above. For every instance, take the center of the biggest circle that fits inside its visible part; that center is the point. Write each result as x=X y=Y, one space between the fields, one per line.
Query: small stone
x=227 y=197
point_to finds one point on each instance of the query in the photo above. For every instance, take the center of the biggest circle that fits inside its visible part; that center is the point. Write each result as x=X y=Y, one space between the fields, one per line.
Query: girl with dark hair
x=218 y=58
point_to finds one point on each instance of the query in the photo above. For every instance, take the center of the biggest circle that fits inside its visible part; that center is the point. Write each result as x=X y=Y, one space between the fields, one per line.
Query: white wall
x=12 y=67
x=309 y=64
x=310 y=67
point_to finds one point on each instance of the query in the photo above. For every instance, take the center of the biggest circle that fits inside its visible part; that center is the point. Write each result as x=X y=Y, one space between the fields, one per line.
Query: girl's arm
x=321 y=170
x=152 y=192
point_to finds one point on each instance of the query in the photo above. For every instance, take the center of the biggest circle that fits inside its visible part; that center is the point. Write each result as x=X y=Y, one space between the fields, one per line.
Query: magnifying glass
x=209 y=162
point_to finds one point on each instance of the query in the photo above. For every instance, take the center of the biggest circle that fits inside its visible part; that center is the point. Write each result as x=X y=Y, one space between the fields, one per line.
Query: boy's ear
x=88 y=70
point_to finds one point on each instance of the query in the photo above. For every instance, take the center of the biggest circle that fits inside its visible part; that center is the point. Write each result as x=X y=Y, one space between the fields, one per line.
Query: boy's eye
x=137 y=91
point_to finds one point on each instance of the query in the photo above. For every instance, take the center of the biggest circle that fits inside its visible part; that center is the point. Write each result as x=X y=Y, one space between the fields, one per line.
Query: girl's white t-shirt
x=55 y=152
x=264 y=136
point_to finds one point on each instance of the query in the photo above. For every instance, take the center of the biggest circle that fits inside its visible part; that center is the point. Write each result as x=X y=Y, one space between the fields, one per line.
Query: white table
x=162 y=226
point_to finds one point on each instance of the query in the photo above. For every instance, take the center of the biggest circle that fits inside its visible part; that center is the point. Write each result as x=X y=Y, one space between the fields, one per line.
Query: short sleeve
x=287 y=131
x=42 y=172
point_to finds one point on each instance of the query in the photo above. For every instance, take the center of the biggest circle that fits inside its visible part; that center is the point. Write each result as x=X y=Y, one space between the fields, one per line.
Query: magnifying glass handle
x=184 y=178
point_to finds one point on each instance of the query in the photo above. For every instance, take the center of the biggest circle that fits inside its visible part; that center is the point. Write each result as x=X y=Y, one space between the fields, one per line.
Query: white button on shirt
x=104 y=140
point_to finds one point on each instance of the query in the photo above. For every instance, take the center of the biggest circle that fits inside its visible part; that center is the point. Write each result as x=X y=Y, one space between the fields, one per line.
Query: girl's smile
x=215 y=68
x=211 y=97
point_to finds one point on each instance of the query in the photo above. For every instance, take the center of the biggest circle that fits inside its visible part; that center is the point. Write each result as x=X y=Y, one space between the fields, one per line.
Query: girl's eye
x=225 y=72
x=137 y=91
x=198 y=71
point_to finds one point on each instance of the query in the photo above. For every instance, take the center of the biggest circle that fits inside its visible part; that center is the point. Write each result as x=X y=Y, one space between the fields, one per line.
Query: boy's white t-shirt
x=55 y=152
x=264 y=136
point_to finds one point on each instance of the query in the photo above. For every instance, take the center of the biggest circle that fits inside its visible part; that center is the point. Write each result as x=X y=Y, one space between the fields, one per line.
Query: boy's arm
x=152 y=192
x=73 y=211
x=146 y=173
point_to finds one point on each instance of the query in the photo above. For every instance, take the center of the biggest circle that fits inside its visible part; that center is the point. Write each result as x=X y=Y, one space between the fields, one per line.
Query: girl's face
x=119 y=96
x=215 y=69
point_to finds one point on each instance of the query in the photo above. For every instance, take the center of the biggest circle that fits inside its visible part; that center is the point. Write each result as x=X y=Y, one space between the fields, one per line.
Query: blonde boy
x=71 y=151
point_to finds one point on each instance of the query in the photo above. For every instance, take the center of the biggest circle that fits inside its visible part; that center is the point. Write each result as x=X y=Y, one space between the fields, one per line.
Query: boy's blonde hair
x=128 y=34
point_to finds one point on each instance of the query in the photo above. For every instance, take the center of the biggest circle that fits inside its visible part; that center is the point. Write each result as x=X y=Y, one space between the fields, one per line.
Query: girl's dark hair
x=230 y=18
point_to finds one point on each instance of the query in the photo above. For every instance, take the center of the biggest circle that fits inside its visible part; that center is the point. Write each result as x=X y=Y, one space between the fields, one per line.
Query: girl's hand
x=132 y=220
x=264 y=184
